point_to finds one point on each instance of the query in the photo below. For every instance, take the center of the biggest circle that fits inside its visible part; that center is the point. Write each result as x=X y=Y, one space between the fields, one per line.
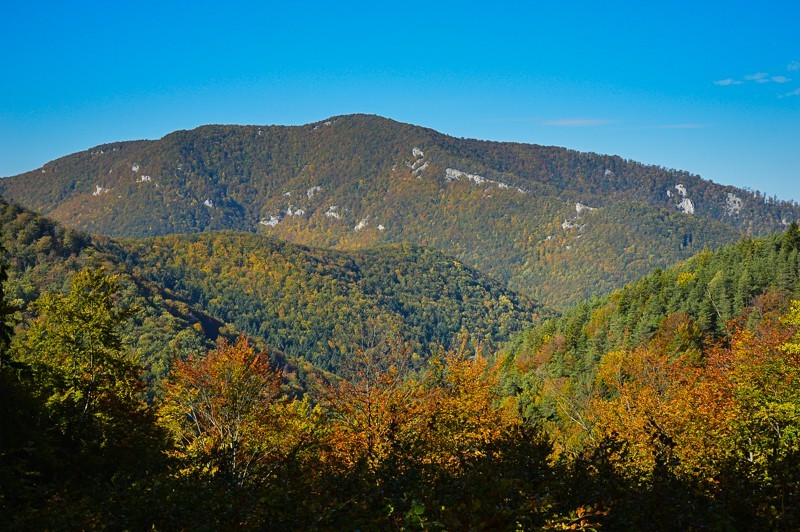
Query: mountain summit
x=557 y=224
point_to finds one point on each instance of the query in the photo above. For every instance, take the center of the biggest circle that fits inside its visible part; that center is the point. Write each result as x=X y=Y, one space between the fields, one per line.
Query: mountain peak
x=498 y=206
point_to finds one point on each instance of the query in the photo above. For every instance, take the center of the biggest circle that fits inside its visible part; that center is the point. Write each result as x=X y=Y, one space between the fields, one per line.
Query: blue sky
x=712 y=88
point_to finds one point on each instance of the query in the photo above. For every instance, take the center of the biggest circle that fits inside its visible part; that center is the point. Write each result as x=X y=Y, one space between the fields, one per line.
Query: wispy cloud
x=794 y=66
x=758 y=77
x=577 y=122
x=795 y=92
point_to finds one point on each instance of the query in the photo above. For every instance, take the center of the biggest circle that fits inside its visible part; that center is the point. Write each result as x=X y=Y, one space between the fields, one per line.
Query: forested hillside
x=104 y=345
x=42 y=256
x=692 y=425
x=323 y=306
x=327 y=305
x=700 y=297
x=203 y=377
x=544 y=219
x=676 y=397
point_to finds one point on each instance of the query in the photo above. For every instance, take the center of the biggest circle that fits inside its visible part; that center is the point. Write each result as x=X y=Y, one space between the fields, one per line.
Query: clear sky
x=708 y=87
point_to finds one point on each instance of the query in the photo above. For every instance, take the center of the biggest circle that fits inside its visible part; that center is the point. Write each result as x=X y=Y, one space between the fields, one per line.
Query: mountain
x=318 y=305
x=645 y=399
x=556 y=224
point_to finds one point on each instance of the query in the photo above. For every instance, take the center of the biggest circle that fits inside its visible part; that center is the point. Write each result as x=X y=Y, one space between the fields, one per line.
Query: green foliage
x=42 y=256
x=693 y=427
x=327 y=305
x=229 y=177
x=86 y=434
x=7 y=316
x=319 y=305
x=75 y=352
x=671 y=403
x=709 y=290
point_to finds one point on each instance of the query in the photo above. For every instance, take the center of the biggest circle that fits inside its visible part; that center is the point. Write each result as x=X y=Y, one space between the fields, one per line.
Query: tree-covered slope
x=690 y=303
x=319 y=305
x=355 y=181
x=326 y=305
x=43 y=256
x=642 y=410
x=675 y=399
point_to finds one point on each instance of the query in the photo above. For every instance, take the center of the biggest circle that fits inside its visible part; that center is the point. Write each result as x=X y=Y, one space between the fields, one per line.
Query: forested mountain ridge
x=321 y=305
x=549 y=221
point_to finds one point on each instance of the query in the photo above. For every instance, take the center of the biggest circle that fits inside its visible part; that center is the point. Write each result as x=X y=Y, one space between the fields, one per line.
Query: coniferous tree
x=7 y=313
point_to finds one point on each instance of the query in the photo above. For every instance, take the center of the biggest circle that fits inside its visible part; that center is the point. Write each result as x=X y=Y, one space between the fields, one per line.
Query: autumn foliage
x=685 y=431
x=425 y=445
x=713 y=433
x=216 y=404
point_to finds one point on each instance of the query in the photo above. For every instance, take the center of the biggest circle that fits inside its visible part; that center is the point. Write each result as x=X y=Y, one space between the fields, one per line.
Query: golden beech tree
x=443 y=415
x=373 y=411
x=422 y=443
x=673 y=414
x=636 y=405
x=741 y=407
x=227 y=415
x=464 y=409
x=572 y=424
x=765 y=377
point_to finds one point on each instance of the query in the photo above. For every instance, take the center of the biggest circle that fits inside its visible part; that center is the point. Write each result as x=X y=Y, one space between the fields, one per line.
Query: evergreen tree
x=7 y=312
x=791 y=238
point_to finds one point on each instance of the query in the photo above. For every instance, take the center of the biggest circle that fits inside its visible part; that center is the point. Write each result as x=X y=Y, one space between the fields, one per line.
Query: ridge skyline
x=567 y=123
x=554 y=223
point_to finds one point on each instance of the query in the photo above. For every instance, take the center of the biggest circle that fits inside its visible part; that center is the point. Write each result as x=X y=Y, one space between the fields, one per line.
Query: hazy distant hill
x=556 y=224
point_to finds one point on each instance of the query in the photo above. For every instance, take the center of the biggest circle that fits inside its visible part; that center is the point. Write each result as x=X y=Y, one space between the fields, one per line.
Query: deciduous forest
x=229 y=380
x=363 y=324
